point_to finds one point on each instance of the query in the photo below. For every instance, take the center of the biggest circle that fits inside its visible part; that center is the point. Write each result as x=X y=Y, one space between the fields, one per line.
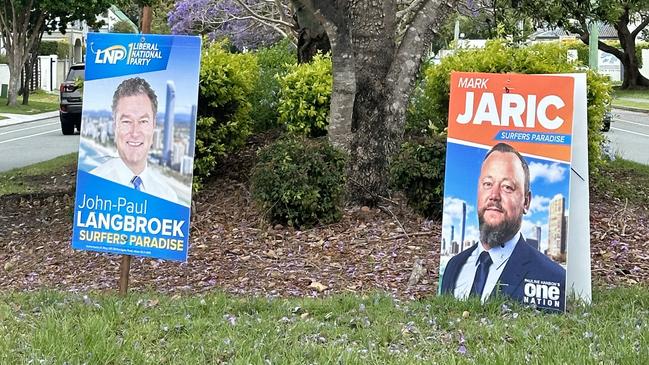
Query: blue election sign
x=136 y=150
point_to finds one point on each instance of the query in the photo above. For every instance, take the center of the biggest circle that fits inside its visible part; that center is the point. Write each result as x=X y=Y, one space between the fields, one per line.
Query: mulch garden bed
x=234 y=249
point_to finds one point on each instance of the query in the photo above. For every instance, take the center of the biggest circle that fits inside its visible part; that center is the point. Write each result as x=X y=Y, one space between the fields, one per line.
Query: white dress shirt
x=152 y=181
x=499 y=257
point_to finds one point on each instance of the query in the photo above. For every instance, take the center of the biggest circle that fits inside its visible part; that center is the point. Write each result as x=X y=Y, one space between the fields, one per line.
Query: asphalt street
x=629 y=135
x=27 y=143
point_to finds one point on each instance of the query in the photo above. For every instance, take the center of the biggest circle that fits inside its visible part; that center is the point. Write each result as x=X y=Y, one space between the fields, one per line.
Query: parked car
x=70 y=106
x=608 y=118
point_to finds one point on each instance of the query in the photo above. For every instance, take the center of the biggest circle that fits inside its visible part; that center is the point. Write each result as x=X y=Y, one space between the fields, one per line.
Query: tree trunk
x=633 y=79
x=312 y=37
x=373 y=80
x=334 y=20
x=373 y=37
x=15 y=68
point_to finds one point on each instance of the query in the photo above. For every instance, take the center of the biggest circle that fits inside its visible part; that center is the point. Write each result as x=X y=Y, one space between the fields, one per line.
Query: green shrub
x=3 y=59
x=123 y=26
x=300 y=181
x=274 y=62
x=498 y=57
x=226 y=83
x=418 y=170
x=61 y=49
x=304 y=97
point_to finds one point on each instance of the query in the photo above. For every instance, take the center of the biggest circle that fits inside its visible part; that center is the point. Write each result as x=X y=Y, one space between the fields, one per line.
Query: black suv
x=70 y=108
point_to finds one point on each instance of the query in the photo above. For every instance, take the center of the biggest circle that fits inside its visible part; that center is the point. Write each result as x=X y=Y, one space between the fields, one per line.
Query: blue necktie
x=137 y=183
x=484 y=261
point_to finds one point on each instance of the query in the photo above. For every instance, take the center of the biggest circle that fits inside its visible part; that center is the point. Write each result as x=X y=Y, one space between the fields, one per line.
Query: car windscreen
x=75 y=73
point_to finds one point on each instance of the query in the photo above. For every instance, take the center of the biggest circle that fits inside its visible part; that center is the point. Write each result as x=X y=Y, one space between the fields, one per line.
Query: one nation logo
x=542 y=293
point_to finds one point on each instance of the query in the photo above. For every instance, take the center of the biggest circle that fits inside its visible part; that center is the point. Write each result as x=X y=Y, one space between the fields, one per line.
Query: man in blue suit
x=502 y=263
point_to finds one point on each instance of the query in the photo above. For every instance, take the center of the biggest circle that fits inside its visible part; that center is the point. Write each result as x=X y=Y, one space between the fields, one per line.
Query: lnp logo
x=111 y=54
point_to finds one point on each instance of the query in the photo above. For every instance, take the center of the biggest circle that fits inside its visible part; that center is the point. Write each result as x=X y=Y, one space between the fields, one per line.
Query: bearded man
x=502 y=262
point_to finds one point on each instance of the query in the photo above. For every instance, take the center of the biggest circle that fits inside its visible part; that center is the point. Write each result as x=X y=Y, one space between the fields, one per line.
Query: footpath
x=12 y=119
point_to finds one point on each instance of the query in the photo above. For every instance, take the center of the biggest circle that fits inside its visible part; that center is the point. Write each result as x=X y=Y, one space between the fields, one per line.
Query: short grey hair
x=135 y=86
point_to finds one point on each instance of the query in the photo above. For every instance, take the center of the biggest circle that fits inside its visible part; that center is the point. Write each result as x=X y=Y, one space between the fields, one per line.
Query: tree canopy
x=23 y=22
x=628 y=17
x=247 y=23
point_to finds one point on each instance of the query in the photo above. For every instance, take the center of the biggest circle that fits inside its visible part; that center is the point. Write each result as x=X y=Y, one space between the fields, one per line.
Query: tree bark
x=333 y=17
x=373 y=79
x=633 y=79
x=146 y=20
x=373 y=38
x=29 y=69
x=312 y=37
x=15 y=68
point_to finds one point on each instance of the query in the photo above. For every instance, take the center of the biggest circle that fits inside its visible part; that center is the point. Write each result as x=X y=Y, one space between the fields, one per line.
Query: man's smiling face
x=134 y=124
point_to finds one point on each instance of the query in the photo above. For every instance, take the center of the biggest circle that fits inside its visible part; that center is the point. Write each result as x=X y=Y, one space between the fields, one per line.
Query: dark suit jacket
x=525 y=266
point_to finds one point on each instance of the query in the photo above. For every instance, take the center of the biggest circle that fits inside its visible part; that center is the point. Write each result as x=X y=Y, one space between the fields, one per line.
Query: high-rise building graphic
x=192 y=132
x=556 y=229
x=157 y=139
x=452 y=233
x=463 y=223
x=535 y=240
x=187 y=165
x=168 y=133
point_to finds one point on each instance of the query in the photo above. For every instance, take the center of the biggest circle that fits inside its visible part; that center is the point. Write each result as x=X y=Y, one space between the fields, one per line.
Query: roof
x=121 y=16
x=606 y=31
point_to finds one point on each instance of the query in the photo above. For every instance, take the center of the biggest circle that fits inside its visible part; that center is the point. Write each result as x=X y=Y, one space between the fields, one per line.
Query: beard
x=498 y=234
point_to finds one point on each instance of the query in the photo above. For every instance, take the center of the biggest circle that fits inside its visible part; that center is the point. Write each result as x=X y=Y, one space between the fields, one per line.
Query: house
x=76 y=32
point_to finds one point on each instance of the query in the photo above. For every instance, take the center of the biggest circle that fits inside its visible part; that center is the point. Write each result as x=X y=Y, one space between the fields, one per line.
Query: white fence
x=47 y=75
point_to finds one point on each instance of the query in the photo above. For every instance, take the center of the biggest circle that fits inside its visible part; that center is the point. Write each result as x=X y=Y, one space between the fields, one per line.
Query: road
x=629 y=135
x=27 y=143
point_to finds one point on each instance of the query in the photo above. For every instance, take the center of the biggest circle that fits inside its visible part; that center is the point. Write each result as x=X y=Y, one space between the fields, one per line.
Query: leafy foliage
x=28 y=20
x=431 y=110
x=627 y=17
x=418 y=170
x=226 y=83
x=61 y=49
x=300 y=182
x=123 y=26
x=304 y=97
x=274 y=62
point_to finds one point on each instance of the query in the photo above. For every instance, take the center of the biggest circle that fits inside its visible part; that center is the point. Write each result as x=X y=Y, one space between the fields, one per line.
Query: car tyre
x=67 y=127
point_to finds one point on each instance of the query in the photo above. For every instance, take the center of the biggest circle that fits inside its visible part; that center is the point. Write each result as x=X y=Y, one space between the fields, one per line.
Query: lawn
x=39 y=102
x=38 y=177
x=57 y=328
x=631 y=98
x=625 y=180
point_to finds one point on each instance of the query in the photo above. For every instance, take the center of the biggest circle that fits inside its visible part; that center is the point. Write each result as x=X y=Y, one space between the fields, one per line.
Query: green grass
x=626 y=180
x=57 y=328
x=39 y=102
x=29 y=179
x=631 y=98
